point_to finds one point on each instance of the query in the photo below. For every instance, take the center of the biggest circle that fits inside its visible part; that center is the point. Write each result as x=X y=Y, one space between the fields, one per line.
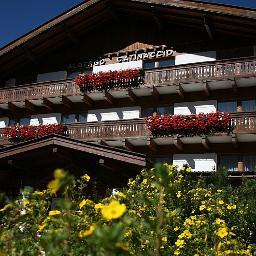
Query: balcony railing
x=108 y=129
x=245 y=67
x=203 y=71
x=38 y=91
x=243 y=122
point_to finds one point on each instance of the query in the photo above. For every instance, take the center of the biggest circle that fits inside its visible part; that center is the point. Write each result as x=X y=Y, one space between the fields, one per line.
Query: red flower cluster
x=189 y=125
x=23 y=133
x=103 y=81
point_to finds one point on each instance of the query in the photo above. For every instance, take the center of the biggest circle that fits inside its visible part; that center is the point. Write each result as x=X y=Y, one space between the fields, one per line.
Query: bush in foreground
x=162 y=212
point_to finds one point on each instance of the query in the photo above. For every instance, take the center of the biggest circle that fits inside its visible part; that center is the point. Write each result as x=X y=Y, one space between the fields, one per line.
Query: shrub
x=163 y=211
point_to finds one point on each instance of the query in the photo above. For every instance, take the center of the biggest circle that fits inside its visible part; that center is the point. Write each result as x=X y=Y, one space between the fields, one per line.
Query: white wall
x=197 y=162
x=53 y=118
x=4 y=122
x=118 y=66
x=196 y=107
x=194 y=58
x=113 y=114
x=51 y=76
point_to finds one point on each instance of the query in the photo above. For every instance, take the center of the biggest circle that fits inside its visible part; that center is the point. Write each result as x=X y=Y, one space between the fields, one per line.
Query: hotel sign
x=146 y=55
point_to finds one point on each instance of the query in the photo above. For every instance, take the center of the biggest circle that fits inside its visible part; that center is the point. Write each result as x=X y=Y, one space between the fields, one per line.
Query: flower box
x=189 y=125
x=23 y=133
x=103 y=81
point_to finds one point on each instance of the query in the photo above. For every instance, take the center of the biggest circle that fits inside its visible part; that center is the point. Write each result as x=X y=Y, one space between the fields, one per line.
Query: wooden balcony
x=133 y=133
x=207 y=76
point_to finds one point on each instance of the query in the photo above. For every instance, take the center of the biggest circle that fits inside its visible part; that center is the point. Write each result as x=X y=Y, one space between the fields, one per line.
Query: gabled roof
x=68 y=31
x=205 y=7
x=101 y=151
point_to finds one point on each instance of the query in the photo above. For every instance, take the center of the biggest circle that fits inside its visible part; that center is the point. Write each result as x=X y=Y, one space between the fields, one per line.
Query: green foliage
x=162 y=211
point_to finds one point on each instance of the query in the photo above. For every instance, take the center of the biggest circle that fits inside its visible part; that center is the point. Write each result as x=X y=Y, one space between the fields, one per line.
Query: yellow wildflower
x=178 y=194
x=54 y=186
x=98 y=206
x=58 y=174
x=25 y=202
x=179 y=243
x=54 y=212
x=121 y=194
x=5 y=207
x=220 y=202
x=222 y=232
x=38 y=193
x=219 y=221
x=231 y=207
x=113 y=211
x=87 y=232
x=176 y=228
x=176 y=252
x=164 y=239
x=187 y=233
x=123 y=246
x=85 y=202
x=202 y=207
x=86 y=177
x=42 y=226
x=144 y=181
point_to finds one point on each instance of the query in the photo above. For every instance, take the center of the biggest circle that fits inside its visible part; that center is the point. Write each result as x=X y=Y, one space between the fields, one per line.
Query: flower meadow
x=162 y=211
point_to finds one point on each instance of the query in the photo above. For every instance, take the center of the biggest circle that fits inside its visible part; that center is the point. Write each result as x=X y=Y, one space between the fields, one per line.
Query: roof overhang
x=100 y=151
x=67 y=27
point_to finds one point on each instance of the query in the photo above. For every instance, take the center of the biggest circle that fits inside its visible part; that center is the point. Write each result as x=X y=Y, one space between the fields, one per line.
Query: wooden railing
x=244 y=67
x=203 y=71
x=38 y=91
x=108 y=129
x=243 y=122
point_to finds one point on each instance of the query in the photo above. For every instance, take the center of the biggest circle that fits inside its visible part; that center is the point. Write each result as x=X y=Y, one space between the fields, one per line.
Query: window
x=249 y=105
x=227 y=106
x=73 y=74
x=250 y=163
x=82 y=118
x=229 y=162
x=149 y=64
x=12 y=122
x=166 y=110
x=69 y=119
x=166 y=63
x=24 y=121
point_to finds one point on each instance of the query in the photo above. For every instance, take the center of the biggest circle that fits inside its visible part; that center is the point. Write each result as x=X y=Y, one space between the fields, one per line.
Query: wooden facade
x=99 y=29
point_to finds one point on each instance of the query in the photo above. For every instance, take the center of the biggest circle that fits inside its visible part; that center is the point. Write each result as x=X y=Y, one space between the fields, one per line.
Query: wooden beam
x=180 y=90
x=104 y=143
x=12 y=107
x=177 y=143
x=206 y=88
x=152 y=144
x=67 y=102
x=88 y=100
x=109 y=98
x=205 y=142
x=29 y=105
x=48 y=104
x=155 y=93
x=234 y=85
x=234 y=141
x=72 y=36
x=207 y=27
x=30 y=56
x=132 y=96
x=127 y=144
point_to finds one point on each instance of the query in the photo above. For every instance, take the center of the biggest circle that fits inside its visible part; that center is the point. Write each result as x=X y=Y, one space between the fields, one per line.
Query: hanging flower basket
x=23 y=133
x=189 y=125
x=103 y=81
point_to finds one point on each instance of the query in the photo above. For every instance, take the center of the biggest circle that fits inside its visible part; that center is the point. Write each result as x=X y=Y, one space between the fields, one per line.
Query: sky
x=19 y=17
